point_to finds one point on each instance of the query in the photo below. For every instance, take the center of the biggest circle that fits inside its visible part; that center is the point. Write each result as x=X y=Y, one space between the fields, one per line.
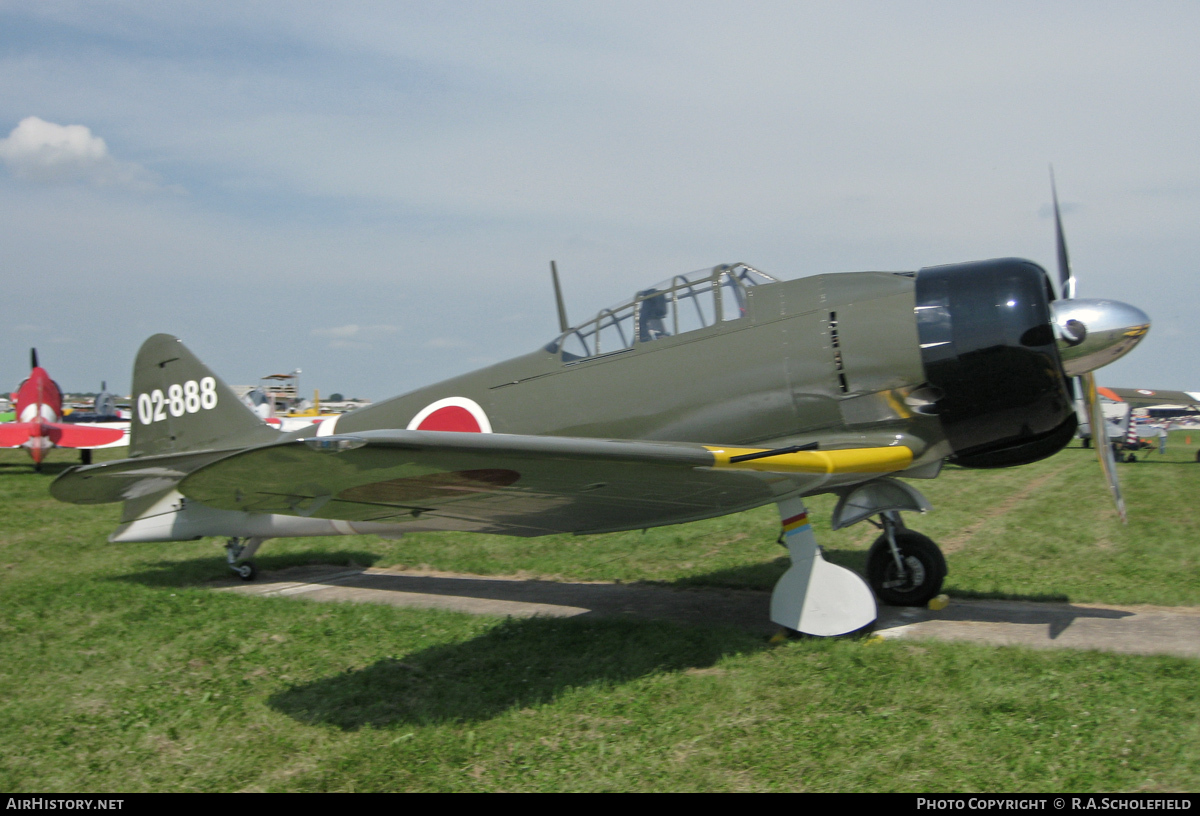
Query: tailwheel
x=238 y=552
x=912 y=575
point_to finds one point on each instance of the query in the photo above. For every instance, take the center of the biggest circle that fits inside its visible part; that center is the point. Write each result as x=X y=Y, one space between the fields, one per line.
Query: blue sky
x=372 y=192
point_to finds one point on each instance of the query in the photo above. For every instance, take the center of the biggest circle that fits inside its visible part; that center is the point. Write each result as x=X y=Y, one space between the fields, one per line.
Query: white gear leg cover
x=814 y=596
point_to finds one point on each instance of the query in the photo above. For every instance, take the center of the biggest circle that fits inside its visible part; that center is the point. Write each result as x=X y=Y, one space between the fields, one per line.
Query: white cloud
x=353 y=336
x=337 y=331
x=42 y=151
x=445 y=343
x=354 y=330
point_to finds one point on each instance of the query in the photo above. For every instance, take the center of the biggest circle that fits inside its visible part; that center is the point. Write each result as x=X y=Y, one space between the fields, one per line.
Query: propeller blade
x=1100 y=441
x=1066 y=281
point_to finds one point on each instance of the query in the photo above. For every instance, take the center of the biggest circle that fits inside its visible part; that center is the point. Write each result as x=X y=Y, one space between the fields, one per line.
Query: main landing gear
x=904 y=568
x=815 y=597
x=238 y=552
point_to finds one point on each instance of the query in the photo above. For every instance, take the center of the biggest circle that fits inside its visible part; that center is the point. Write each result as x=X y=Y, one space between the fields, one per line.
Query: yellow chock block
x=939 y=603
x=874 y=639
x=779 y=637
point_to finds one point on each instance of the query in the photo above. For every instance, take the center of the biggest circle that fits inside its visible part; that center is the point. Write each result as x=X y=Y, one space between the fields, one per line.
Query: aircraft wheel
x=924 y=564
x=1131 y=457
x=246 y=571
x=1198 y=456
x=85 y=456
x=1087 y=442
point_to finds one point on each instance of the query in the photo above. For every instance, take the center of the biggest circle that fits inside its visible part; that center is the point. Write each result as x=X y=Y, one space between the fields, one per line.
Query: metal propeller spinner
x=1092 y=333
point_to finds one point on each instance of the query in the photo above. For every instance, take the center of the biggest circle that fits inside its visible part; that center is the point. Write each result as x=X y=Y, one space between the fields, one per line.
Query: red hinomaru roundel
x=452 y=414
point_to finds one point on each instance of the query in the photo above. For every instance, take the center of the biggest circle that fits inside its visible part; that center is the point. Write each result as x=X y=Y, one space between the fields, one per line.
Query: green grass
x=121 y=671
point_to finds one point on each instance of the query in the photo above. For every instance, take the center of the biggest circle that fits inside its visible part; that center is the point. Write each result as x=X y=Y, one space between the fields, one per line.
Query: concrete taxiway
x=1103 y=627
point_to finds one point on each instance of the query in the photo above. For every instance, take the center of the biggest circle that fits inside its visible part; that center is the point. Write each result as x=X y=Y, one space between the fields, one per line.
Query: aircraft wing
x=1145 y=397
x=517 y=485
x=15 y=434
x=87 y=436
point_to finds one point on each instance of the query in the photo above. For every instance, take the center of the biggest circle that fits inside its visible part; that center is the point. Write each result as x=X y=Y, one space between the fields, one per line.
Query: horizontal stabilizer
x=127 y=479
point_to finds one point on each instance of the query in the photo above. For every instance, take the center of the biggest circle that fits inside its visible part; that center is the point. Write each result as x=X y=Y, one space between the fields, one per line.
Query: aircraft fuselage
x=831 y=354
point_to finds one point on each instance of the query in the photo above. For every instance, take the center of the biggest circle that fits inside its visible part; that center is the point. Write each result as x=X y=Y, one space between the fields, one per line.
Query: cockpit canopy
x=681 y=304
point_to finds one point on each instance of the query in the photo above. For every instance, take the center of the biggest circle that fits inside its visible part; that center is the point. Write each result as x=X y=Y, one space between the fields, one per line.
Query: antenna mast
x=563 y=325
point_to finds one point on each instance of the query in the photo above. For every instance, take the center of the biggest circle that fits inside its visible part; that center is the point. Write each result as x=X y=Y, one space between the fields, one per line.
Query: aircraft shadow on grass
x=48 y=468
x=525 y=662
x=202 y=573
x=521 y=663
x=738 y=596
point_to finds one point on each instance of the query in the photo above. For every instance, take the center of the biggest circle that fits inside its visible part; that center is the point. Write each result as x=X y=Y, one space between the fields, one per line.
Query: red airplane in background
x=39 y=426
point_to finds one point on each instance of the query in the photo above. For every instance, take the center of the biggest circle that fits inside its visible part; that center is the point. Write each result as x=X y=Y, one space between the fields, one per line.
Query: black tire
x=1087 y=441
x=85 y=456
x=925 y=562
x=246 y=571
x=1198 y=456
x=1130 y=457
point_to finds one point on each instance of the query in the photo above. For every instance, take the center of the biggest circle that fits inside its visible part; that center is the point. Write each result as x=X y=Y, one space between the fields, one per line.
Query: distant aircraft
x=1128 y=436
x=1117 y=416
x=707 y=394
x=1149 y=398
x=39 y=424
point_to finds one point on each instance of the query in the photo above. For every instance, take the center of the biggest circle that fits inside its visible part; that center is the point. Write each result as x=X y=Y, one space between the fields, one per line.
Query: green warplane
x=707 y=394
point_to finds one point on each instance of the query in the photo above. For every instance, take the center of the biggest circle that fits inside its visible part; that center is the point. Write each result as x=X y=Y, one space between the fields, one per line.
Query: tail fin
x=180 y=405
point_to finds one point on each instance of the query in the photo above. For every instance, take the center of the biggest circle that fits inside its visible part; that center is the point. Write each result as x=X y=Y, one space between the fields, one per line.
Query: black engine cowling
x=988 y=346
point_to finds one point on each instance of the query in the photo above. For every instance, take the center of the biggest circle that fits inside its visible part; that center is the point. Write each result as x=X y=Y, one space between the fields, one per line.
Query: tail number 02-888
x=183 y=399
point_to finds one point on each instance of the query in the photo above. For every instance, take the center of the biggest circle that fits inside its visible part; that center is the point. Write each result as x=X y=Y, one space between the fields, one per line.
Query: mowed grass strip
x=121 y=689
x=120 y=671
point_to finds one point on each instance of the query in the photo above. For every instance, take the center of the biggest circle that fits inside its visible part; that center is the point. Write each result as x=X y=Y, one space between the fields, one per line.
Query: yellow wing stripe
x=850 y=460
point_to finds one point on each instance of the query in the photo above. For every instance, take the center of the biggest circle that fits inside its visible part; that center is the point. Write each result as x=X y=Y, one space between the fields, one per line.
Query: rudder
x=180 y=405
